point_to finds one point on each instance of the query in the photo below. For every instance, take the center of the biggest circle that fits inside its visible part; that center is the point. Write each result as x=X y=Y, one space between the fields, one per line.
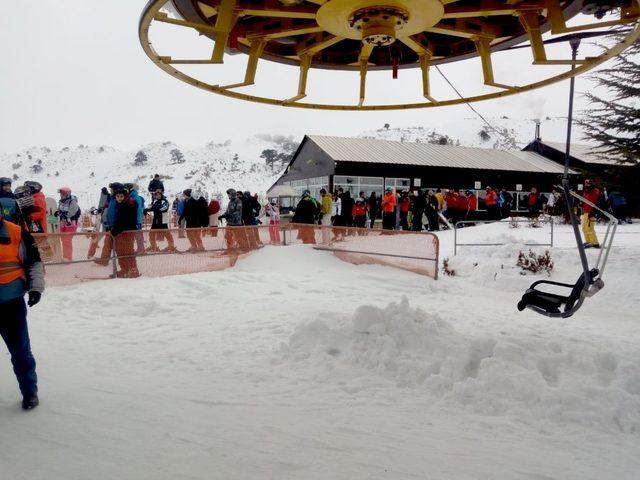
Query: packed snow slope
x=295 y=365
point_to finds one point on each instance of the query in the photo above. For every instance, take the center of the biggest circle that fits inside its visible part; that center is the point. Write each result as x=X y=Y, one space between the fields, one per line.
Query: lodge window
x=355 y=185
x=397 y=184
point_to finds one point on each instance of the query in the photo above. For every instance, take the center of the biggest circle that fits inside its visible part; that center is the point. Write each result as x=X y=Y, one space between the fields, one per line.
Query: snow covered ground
x=296 y=365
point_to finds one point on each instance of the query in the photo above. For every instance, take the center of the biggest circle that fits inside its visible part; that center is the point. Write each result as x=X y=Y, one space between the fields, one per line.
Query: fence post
x=284 y=235
x=551 y=219
x=455 y=240
x=114 y=265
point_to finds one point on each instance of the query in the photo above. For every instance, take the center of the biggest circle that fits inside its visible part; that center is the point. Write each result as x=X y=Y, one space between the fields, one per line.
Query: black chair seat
x=553 y=303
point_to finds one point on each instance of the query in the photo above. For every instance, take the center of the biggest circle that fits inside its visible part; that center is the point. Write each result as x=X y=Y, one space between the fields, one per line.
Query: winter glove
x=34 y=297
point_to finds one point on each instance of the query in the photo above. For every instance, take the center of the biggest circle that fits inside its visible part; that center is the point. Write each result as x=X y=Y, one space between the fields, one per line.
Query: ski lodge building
x=368 y=165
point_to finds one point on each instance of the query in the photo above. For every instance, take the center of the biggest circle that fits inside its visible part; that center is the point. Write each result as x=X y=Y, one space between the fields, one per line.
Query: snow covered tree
x=613 y=121
x=141 y=158
x=270 y=156
x=484 y=135
x=177 y=156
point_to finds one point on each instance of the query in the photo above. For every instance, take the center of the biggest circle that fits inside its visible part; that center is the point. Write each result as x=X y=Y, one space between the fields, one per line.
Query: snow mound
x=530 y=378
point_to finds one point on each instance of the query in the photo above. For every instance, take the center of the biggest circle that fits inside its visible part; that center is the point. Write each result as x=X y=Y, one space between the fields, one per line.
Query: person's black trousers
x=14 y=332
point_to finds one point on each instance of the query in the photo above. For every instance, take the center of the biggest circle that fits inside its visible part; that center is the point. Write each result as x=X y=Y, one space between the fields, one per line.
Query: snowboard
x=444 y=220
x=52 y=220
x=97 y=225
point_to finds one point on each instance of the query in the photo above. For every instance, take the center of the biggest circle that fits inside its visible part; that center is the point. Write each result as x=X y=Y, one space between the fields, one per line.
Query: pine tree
x=613 y=122
x=141 y=158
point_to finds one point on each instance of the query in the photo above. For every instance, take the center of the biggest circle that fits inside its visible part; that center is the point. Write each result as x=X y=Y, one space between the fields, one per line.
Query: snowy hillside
x=216 y=166
x=505 y=133
x=211 y=168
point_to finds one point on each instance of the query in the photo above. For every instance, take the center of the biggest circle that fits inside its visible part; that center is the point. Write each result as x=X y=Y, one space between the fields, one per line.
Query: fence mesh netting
x=77 y=257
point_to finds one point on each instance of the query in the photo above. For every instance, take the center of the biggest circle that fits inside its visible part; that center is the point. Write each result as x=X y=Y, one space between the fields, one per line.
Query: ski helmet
x=66 y=190
x=33 y=185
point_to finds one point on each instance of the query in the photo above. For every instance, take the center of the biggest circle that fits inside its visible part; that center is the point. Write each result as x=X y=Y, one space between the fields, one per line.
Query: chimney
x=537 y=122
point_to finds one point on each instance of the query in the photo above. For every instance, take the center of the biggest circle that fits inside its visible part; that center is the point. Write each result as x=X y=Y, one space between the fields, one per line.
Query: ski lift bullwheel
x=370 y=35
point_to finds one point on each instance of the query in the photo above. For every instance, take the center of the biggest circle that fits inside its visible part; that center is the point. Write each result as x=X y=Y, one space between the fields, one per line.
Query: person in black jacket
x=193 y=219
x=156 y=184
x=374 y=208
x=203 y=212
x=431 y=209
x=346 y=211
x=306 y=212
x=417 y=210
x=160 y=223
x=123 y=231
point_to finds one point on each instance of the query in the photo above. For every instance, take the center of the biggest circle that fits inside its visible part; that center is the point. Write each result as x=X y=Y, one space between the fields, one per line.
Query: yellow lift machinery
x=365 y=35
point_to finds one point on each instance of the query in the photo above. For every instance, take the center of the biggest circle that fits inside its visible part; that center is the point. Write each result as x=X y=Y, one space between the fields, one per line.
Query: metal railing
x=75 y=257
x=456 y=244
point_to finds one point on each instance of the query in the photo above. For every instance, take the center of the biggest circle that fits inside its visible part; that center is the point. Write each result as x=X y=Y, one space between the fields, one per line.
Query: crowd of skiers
x=121 y=208
x=27 y=206
x=418 y=210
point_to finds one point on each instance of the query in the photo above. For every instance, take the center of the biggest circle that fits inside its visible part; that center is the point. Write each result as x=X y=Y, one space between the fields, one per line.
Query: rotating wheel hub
x=379 y=25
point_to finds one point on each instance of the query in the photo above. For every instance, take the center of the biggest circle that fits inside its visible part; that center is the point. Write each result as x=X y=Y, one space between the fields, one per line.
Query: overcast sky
x=73 y=72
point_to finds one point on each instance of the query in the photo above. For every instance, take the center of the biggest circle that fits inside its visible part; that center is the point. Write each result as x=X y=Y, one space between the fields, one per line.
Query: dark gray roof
x=582 y=152
x=366 y=150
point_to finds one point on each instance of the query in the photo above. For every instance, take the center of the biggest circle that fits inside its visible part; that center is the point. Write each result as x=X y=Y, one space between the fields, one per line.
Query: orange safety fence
x=414 y=251
x=78 y=257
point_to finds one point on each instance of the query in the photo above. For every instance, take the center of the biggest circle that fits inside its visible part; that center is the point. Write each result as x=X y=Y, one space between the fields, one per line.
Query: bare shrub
x=446 y=268
x=535 y=263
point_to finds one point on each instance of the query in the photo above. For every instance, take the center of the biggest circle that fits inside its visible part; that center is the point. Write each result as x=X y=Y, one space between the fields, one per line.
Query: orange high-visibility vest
x=10 y=265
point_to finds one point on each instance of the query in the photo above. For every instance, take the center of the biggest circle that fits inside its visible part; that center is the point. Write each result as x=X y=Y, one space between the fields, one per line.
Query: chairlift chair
x=589 y=282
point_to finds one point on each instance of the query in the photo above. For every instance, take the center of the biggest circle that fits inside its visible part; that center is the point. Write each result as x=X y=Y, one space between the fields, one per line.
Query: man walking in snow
x=21 y=272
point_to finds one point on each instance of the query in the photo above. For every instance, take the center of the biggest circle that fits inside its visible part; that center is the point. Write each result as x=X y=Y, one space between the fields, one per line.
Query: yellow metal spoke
x=319 y=46
x=305 y=64
x=559 y=25
x=225 y=21
x=483 y=45
x=425 y=61
x=257 y=47
x=164 y=18
x=303 y=30
x=489 y=8
x=531 y=24
x=462 y=30
x=208 y=10
x=308 y=13
x=363 y=60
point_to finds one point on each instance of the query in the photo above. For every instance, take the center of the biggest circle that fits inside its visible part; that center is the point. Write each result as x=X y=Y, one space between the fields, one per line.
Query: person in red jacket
x=533 y=202
x=588 y=218
x=359 y=213
x=38 y=216
x=405 y=204
x=214 y=215
x=452 y=200
x=491 y=203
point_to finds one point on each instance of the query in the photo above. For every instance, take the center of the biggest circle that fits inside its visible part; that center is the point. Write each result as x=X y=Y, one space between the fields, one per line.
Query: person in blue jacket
x=133 y=194
x=179 y=214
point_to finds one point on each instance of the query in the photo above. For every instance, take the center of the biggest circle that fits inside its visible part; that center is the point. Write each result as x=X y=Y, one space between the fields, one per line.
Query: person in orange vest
x=588 y=218
x=21 y=272
x=388 y=210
